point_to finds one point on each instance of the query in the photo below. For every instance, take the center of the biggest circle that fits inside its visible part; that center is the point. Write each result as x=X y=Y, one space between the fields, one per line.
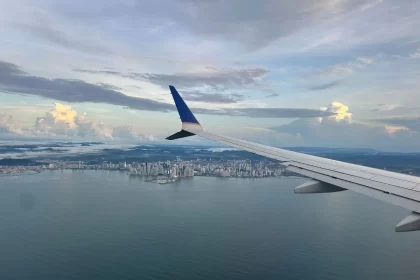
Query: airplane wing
x=327 y=175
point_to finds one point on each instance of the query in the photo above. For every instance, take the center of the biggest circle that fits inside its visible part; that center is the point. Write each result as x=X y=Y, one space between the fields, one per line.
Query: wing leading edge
x=327 y=175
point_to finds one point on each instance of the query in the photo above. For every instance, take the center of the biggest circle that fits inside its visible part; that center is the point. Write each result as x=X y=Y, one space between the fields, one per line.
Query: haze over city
x=284 y=73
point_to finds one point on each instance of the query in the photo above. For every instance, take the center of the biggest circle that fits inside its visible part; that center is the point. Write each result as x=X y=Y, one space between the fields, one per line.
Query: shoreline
x=26 y=173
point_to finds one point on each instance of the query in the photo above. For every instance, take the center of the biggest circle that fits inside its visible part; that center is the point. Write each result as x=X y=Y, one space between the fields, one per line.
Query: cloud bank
x=340 y=130
x=211 y=77
x=63 y=121
x=15 y=81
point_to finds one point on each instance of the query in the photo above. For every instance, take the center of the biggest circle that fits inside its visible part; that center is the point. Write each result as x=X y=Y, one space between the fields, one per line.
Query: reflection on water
x=107 y=225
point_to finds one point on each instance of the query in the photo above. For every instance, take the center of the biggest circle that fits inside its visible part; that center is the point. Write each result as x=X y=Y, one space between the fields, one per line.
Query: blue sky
x=286 y=73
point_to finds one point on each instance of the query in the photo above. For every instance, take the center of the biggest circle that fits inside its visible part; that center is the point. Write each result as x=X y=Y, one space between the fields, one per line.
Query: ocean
x=108 y=225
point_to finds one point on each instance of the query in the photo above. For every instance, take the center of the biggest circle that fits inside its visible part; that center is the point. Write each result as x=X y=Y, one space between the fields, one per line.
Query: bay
x=107 y=225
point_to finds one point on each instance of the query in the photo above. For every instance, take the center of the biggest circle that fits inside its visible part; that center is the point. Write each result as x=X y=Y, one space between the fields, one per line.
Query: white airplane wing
x=327 y=175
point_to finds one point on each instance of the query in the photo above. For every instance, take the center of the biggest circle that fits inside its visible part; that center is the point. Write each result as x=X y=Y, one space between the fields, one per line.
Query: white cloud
x=415 y=54
x=386 y=107
x=93 y=129
x=131 y=133
x=7 y=125
x=62 y=120
x=391 y=129
x=351 y=66
x=341 y=112
x=365 y=59
x=337 y=70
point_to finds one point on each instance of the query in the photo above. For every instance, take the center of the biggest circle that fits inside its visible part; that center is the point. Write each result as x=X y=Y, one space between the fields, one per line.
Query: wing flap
x=395 y=182
x=403 y=202
x=368 y=183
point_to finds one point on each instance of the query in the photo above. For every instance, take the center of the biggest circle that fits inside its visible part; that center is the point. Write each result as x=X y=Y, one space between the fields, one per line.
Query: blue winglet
x=183 y=110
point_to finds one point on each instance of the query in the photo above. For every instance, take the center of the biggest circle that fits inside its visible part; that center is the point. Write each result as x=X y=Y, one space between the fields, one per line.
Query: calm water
x=104 y=225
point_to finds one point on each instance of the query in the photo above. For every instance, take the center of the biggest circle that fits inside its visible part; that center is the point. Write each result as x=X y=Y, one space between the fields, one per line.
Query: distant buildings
x=231 y=168
x=168 y=169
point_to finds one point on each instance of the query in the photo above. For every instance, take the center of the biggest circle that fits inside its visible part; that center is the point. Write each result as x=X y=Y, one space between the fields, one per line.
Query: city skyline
x=325 y=73
x=171 y=170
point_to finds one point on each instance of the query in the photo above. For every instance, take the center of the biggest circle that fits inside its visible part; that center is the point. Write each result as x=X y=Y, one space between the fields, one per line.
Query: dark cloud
x=8 y=69
x=324 y=86
x=216 y=78
x=272 y=95
x=14 y=80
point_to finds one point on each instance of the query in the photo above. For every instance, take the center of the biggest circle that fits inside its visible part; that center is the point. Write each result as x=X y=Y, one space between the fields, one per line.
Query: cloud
x=267 y=112
x=211 y=77
x=214 y=78
x=131 y=133
x=257 y=24
x=7 y=125
x=14 y=80
x=212 y=97
x=247 y=23
x=415 y=55
x=59 y=115
x=391 y=129
x=324 y=86
x=62 y=120
x=41 y=148
x=392 y=111
x=365 y=59
x=340 y=112
x=342 y=132
x=349 y=67
x=87 y=129
x=385 y=107
x=336 y=70
x=412 y=123
x=48 y=33
x=274 y=94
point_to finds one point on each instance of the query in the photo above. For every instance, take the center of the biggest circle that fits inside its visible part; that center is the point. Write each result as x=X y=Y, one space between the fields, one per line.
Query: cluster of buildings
x=180 y=168
x=18 y=169
x=167 y=169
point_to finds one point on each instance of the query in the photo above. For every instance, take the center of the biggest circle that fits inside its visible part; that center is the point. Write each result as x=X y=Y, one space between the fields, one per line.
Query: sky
x=336 y=73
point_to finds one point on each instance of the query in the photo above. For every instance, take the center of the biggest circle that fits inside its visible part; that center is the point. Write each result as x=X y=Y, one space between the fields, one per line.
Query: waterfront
x=169 y=169
x=107 y=225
